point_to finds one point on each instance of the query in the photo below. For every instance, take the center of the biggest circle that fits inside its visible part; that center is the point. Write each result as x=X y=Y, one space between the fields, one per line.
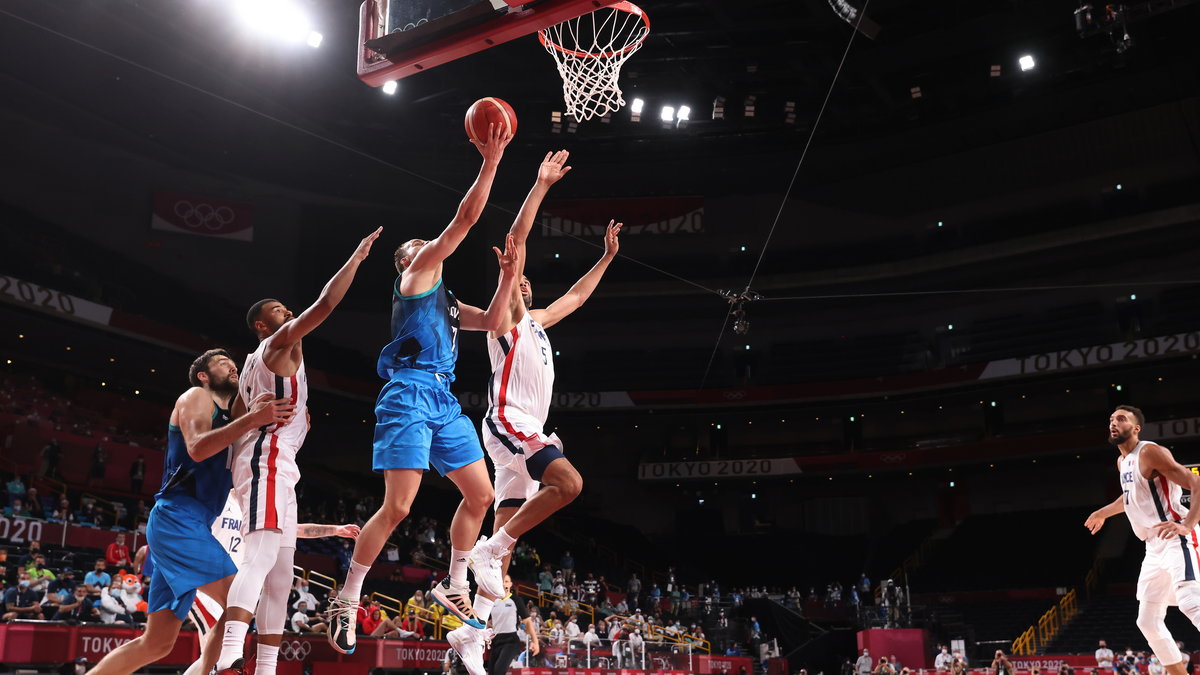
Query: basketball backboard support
x=399 y=38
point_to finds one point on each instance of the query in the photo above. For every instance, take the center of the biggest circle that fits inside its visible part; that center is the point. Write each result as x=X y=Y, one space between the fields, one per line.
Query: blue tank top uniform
x=418 y=421
x=179 y=532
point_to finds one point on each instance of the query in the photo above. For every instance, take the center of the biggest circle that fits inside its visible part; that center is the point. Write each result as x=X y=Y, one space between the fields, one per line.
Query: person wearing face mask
x=97 y=580
x=76 y=607
x=112 y=610
x=943 y=660
x=303 y=595
x=21 y=601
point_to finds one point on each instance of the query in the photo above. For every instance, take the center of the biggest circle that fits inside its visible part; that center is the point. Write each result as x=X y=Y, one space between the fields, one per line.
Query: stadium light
x=1026 y=62
x=314 y=39
x=668 y=113
x=390 y=87
x=685 y=113
x=638 y=105
x=282 y=19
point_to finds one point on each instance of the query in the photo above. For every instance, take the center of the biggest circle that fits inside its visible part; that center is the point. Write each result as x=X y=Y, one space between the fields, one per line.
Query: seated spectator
x=117 y=553
x=571 y=630
x=16 y=489
x=417 y=600
x=97 y=580
x=34 y=505
x=590 y=638
x=77 y=607
x=302 y=594
x=364 y=609
x=376 y=625
x=63 y=514
x=30 y=556
x=112 y=609
x=410 y=623
x=87 y=514
x=39 y=574
x=21 y=601
x=557 y=635
x=300 y=623
x=16 y=509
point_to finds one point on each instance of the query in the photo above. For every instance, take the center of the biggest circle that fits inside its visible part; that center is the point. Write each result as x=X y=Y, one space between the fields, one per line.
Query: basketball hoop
x=590 y=50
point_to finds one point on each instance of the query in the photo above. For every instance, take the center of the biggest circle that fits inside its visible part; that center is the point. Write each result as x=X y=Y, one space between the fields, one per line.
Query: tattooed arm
x=315 y=531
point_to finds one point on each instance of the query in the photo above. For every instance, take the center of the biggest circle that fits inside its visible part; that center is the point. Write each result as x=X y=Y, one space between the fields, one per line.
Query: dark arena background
x=885 y=273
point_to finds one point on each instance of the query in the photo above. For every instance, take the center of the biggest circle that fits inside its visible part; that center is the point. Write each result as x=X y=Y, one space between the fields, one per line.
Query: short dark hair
x=200 y=365
x=255 y=311
x=1137 y=414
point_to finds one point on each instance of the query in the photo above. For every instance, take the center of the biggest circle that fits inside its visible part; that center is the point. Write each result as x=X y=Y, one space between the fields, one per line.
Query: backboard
x=399 y=38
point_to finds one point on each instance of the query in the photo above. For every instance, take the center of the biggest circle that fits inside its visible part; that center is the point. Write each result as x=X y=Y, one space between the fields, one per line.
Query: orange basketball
x=490 y=110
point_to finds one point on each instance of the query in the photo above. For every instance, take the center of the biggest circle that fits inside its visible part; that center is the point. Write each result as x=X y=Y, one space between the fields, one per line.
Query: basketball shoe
x=457 y=601
x=468 y=642
x=343 y=615
x=487 y=564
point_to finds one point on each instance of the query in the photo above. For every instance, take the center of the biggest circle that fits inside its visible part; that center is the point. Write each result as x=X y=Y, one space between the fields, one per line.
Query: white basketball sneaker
x=468 y=642
x=487 y=565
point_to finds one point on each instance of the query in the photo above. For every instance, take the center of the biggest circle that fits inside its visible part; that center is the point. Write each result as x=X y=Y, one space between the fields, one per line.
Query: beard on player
x=526 y=289
x=1116 y=437
x=223 y=385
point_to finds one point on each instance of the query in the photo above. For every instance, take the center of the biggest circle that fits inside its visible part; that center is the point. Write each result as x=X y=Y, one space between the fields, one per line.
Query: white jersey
x=264 y=461
x=522 y=381
x=227 y=529
x=1148 y=501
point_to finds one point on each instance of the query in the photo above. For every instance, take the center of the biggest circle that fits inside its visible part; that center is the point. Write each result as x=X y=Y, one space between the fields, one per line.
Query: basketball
x=490 y=110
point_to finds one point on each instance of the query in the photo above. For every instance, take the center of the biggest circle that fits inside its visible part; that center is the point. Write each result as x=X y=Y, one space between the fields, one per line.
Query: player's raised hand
x=267 y=409
x=497 y=140
x=611 y=243
x=364 y=246
x=349 y=531
x=553 y=168
x=508 y=257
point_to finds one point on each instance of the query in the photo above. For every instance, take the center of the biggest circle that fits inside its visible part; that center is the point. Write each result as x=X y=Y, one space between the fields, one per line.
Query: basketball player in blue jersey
x=418 y=421
x=533 y=478
x=1152 y=485
x=196 y=481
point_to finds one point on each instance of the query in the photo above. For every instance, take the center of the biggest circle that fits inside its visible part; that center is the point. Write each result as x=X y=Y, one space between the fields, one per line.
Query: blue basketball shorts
x=186 y=555
x=419 y=423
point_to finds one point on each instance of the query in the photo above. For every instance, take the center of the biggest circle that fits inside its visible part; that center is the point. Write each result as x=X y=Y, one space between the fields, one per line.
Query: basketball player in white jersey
x=533 y=478
x=265 y=471
x=228 y=531
x=1152 y=484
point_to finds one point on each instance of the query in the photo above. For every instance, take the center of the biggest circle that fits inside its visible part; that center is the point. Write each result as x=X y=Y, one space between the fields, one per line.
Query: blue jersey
x=424 y=333
x=207 y=482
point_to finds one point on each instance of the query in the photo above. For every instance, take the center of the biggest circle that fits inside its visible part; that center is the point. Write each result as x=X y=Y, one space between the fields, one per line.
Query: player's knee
x=158 y=645
x=572 y=486
x=480 y=500
x=394 y=511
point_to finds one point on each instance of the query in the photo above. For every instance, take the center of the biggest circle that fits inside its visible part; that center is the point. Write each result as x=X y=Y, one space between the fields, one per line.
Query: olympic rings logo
x=203 y=215
x=295 y=650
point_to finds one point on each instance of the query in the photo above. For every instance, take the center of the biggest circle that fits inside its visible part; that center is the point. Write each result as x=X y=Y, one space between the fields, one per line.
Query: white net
x=590 y=50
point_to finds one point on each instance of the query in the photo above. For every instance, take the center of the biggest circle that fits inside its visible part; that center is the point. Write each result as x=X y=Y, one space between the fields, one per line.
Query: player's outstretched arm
x=195 y=421
x=469 y=209
x=550 y=171
x=1095 y=521
x=1160 y=459
x=293 y=331
x=582 y=290
x=493 y=318
x=317 y=531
